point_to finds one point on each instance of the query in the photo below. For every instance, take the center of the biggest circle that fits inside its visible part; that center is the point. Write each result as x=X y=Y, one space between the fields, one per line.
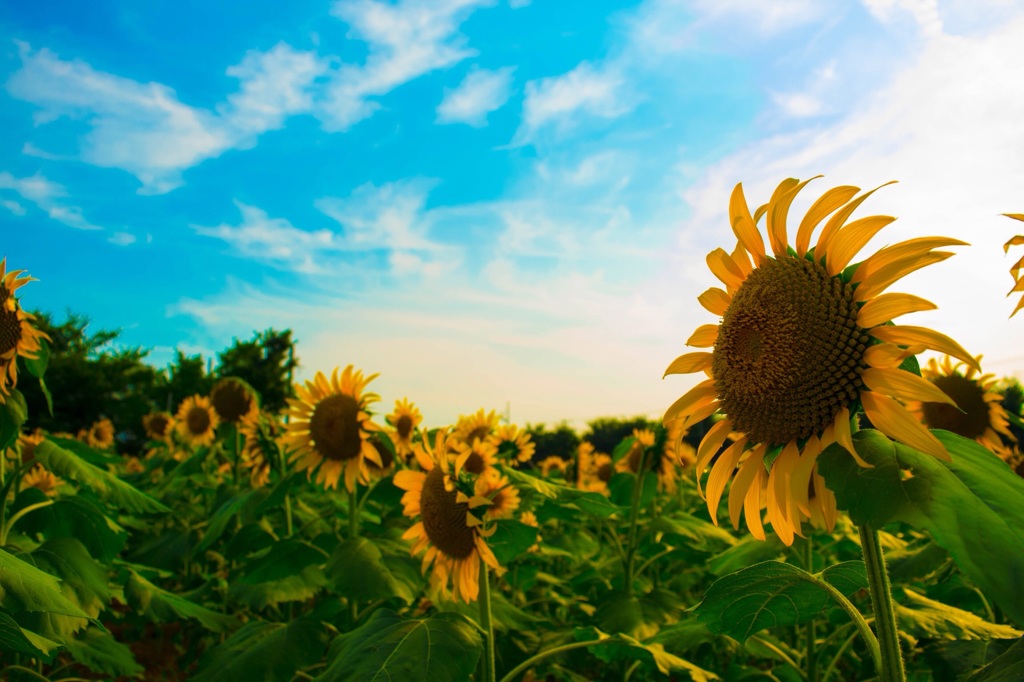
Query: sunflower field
x=822 y=505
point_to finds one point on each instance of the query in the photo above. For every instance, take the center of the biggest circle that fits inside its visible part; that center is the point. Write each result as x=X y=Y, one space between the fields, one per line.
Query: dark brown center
x=970 y=397
x=232 y=400
x=479 y=433
x=157 y=424
x=474 y=464
x=334 y=427
x=404 y=427
x=789 y=352
x=444 y=519
x=386 y=458
x=605 y=471
x=198 y=420
x=10 y=328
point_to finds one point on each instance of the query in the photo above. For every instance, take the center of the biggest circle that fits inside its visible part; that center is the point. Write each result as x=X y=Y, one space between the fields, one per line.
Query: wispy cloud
x=480 y=93
x=405 y=41
x=559 y=100
x=48 y=196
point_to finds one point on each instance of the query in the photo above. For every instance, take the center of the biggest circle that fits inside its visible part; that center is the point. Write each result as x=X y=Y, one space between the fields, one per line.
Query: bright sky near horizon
x=490 y=202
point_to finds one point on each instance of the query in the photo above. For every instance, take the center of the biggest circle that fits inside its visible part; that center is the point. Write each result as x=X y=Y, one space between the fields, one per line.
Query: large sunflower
x=1018 y=280
x=802 y=345
x=17 y=335
x=330 y=427
x=196 y=421
x=404 y=421
x=448 y=529
x=978 y=414
x=234 y=400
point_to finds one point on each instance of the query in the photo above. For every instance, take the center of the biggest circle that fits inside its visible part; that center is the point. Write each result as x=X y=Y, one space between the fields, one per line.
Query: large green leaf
x=299 y=587
x=589 y=502
x=13 y=413
x=773 y=594
x=510 y=539
x=694 y=532
x=101 y=653
x=442 y=648
x=284 y=559
x=14 y=638
x=951 y=660
x=1009 y=667
x=747 y=552
x=105 y=484
x=972 y=506
x=357 y=570
x=78 y=517
x=620 y=647
x=24 y=587
x=265 y=652
x=922 y=617
x=83 y=580
x=162 y=606
x=90 y=455
x=220 y=519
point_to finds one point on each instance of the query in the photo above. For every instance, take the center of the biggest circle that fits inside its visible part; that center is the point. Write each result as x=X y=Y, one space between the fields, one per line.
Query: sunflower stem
x=812 y=654
x=353 y=533
x=490 y=672
x=235 y=447
x=634 y=512
x=882 y=605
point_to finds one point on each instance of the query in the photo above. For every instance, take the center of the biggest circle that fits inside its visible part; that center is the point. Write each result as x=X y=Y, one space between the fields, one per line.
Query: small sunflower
x=553 y=463
x=454 y=538
x=196 y=421
x=978 y=413
x=133 y=465
x=1018 y=280
x=804 y=342
x=158 y=426
x=43 y=479
x=478 y=426
x=477 y=459
x=528 y=518
x=404 y=421
x=514 y=444
x=499 y=490
x=584 y=461
x=18 y=337
x=330 y=427
x=676 y=448
x=598 y=471
x=664 y=466
x=260 y=432
x=233 y=400
x=27 y=443
x=100 y=435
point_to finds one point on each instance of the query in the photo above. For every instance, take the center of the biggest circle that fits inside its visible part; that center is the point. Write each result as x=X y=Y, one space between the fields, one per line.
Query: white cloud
x=559 y=99
x=122 y=239
x=13 y=206
x=925 y=13
x=144 y=129
x=480 y=93
x=46 y=195
x=405 y=41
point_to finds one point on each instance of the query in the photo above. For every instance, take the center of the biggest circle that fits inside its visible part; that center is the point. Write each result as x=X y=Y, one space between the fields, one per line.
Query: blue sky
x=489 y=203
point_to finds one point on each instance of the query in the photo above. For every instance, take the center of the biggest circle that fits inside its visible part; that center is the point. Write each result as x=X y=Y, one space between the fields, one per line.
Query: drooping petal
x=851 y=239
x=778 y=209
x=887 y=307
x=741 y=483
x=722 y=266
x=828 y=232
x=709 y=445
x=845 y=439
x=904 y=385
x=705 y=336
x=895 y=421
x=826 y=204
x=697 y=396
x=905 y=335
x=752 y=504
x=743 y=225
x=720 y=475
x=689 y=363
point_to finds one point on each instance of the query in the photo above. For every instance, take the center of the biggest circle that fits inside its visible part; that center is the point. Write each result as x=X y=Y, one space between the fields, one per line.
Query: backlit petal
x=826 y=204
x=895 y=421
x=905 y=335
x=890 y=306
x=689 y=363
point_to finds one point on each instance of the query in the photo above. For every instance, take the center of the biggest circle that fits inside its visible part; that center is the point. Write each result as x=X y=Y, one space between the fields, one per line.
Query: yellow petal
x=876 y=283
x=886 y=355
x=904 y=385
x=886 y=307
x=828 y=232
x=801 y=477
x=851 y=239
x=689 y=363
x=723 y=267
x=720 y=475
x=715 y=301
x=758 y=212
x=705 y=336
x=778 y=209
x=709 y=445
x=742 y=261
x=743 y=225
x=741 y=483
x=752 y=505
x=842 y=435
x=910 y=248
x=905 y=335
x=895 y=421
x=826 y=204
x=1020 y=305
x=697 y=396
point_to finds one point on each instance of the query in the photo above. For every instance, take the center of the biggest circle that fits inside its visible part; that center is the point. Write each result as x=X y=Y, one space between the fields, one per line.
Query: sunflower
x=260 y=432
x=477 y=426
x=403 y=421
x=499 y=490
x=528 y=518
x=663 y=465
x=676 y=448
x=27 y=443
x=448 y=529
x=978 y=413
x=17 y=335
x=596 y=469
x=514 y=444
x=43 y=479
x=330 y=428
x=133 y=465
x=233 y=400
x=584 y=461
x=477 y=459
x=158 y=426
x=1018 y=280
x=553 y=463
x=802 y=345
x=100 y=435
x=387 y=459
x=196 y=421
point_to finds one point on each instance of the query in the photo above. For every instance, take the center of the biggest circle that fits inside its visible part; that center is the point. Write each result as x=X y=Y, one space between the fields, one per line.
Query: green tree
x=607 y=432
x=266 y=363
x=561 y=441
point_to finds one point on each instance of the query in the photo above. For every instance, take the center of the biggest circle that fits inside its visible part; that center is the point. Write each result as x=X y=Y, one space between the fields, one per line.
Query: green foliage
x=357 y=570
x=99 y=651
x=265 y=652
x=607 y=432
x=266 y=363
x=24 y=587
x=161 y=606
x=558 y=441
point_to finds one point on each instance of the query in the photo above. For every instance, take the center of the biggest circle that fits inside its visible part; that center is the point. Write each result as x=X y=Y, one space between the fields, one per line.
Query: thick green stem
x=288 y=514
x=353 y=533
x=631 y=538
x=490 y=672
x=236 y=447
x=882 y=604
x=533 y=660
x=858 y=620
x=812 y=654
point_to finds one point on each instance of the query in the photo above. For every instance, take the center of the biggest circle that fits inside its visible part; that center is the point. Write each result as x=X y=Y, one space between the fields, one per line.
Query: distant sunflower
x=18 y=338
x=477 y=459
x=196 y=421
x=158 y=426
x=514 y=444
x=43 y=479
x=477 y=426
x=448 y=529
x=100 y=435
x=1018 y=280
x=499 y=490
x=133 y=465
x=676 y=448
x=260 y=433
x=404 y=421
x=665 y=467
x=803 y=344
x=553 y=463
x=978 y=414
x=330 y=427
x=233 y=400
x=596 y=469
x=27 y=443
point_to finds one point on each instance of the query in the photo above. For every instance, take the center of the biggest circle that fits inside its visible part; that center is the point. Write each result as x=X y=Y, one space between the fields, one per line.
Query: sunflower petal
x=778 y=208
x=826 y=204
x=889 y=306
x=752 y=505
x=696 y=397
x=905 y=335
x=887 y=355
x=705 y=336
x=898 y=423
x=845 y=439
x=851 y=239
x=743 y=225
x=709 y=445
x=876 y=283
x=911 y=248
x=715 y=301
x=722 y=266
x=720 y=475
x=828 y=232
x=689 y=363
x=904 y=385
x=741 y=483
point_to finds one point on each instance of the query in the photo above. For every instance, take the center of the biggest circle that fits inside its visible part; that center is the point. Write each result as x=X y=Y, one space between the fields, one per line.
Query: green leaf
x=220 y=519
x=14 y=638
x=105 y=484
x=747 y=552
x=162 y=606
x=264 y=652
x=971 y=506
x=694 y=532
x=37 y=366
x=952 y=660
x=442 y=648
x=926 y=618
x=620 y=647
x=277 y=495
x=357 y=570
x=510 y=539
x=78 y=517
x=773 y=594
x=591 y=503
x=284 y=559
x=13 y=413
x=624 y=446
x=83 y=580
x=24 y=587
x=90 y=455
x=101 y=653
x=1009 y=667
x=299 y=587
